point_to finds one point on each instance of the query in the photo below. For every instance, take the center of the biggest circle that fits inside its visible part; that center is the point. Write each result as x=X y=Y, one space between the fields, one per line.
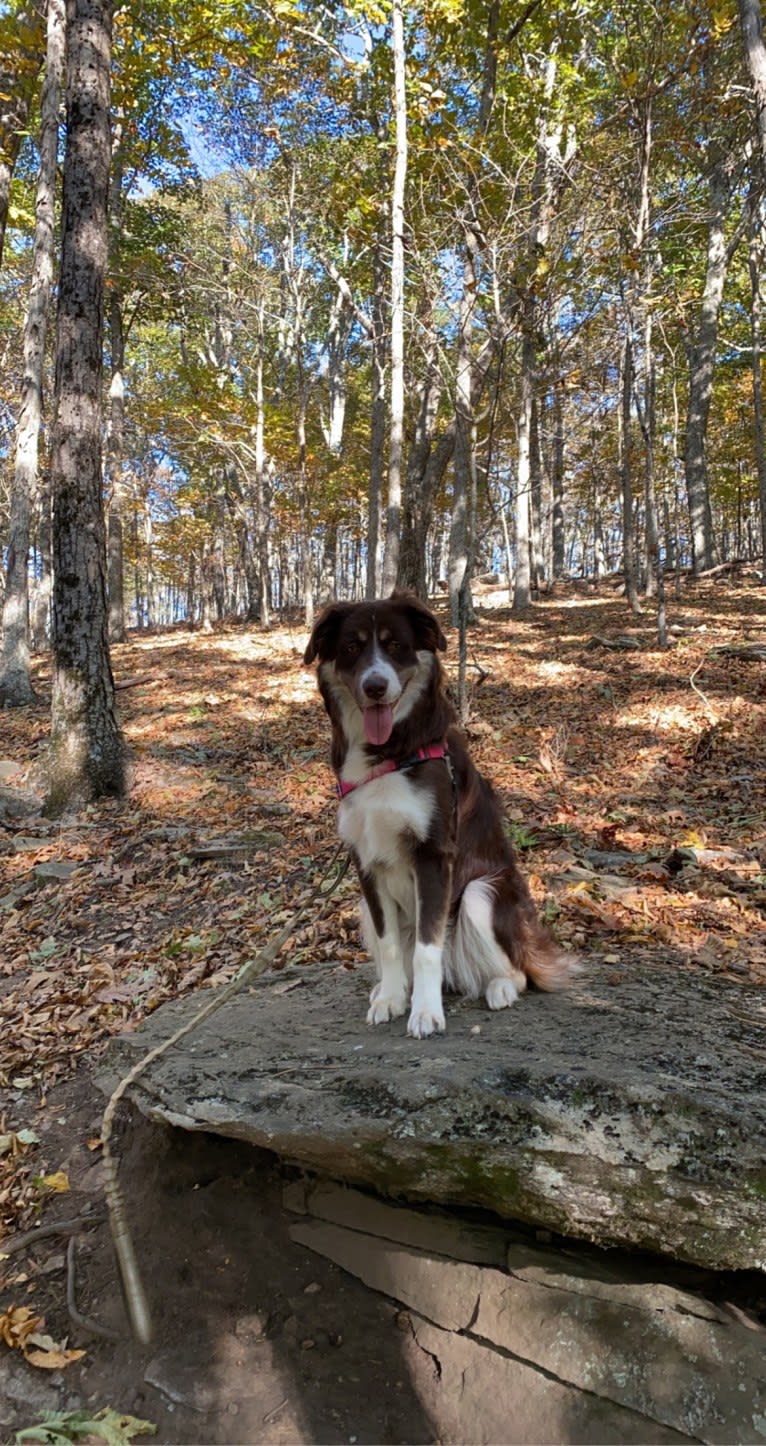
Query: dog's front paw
x=385 y=1007
x=423 y=1022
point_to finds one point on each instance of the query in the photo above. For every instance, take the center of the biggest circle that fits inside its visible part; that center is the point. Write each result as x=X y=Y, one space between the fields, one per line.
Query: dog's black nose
x=375 y=687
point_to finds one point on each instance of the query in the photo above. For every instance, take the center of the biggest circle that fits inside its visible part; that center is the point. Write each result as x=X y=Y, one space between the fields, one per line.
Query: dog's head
x=376 y=652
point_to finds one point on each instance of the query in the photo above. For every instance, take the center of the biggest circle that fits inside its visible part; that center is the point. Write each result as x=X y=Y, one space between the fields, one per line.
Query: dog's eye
x=350 y=650
x=393 y=647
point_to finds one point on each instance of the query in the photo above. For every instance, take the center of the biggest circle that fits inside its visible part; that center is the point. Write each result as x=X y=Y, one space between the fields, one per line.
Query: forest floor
x=656 y=759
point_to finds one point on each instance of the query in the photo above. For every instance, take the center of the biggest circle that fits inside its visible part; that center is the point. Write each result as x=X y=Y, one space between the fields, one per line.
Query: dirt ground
x=657 y=758
x=256 y=1340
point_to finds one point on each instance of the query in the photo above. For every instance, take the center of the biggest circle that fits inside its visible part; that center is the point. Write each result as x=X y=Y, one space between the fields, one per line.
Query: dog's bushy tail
x=545 y=964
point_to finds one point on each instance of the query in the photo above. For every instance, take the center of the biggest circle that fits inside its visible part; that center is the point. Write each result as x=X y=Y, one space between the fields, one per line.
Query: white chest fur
x=373 y=818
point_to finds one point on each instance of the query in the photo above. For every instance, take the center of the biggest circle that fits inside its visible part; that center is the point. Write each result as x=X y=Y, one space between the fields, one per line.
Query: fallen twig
x=82 y=1321
x=748 y=652
x=623 y=643
x=272 y=1415
x=131 y=682
x=710 y=709
x=46 y=1232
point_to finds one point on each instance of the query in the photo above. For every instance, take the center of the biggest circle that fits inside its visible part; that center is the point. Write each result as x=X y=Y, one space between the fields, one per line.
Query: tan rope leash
x=138 y=1309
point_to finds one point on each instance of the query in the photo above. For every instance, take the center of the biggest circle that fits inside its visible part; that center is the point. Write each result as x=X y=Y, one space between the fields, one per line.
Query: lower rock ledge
x=478 y=1395
x=551 y=1347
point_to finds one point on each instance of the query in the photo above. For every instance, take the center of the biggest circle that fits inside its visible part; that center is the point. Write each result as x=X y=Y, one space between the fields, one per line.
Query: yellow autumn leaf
x=58 y=1182
x=52 y=1360
x=17 y=1323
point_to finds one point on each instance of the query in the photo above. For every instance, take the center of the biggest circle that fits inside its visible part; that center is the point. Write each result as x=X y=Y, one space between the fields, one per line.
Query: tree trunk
x=116 y=422
x=645 y=397
x=701 y=369
x=86 y=756
x=377 y=426
x=416 y=505
x=626 y=482
x=557 y=480
x=461 y=541
x=522 y=580
x=115 y=446
x=149 y=580
x=339 y=331
x=464 y=461
x=43 y=591
x=426 y=466
x=396 y=437
x=15 y=683
x=756 y=272
x=552 y=155
x=536 y=499
x=260 y=494
x=655 y=570
x=751 y=26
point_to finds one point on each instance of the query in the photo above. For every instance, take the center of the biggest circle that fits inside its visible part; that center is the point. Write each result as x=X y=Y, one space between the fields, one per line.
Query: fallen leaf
x=59 y=1428
x=54 y=1360
x=17 y=1324
x=58 y=1182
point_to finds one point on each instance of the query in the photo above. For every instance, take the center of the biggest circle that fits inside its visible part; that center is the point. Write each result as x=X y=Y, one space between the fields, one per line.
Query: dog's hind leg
x=532 y=953
x=478 y=963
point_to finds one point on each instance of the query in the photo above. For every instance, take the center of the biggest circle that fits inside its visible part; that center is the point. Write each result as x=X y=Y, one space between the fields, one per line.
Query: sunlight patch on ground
x=665 y=719
x=556 y=672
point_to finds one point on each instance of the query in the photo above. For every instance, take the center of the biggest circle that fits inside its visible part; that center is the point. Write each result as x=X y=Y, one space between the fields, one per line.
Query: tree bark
x=755 y=262
x=701 y=370
x=626 y=481
x=15 y=682
x=464 y=461
x=554 y=150
x=751 y=27
x=461 y=541
x=377 y=425
x=522 y=579
x=43 y=591
x=396 y=437
x=260 y=493
x=86 y=757
x=426 y=466
x=558 y=563
x=339 y=331
x=115 y=449
x=116 y=420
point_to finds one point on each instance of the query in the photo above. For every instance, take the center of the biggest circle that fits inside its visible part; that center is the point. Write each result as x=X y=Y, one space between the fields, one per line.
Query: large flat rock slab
x=628 y=1113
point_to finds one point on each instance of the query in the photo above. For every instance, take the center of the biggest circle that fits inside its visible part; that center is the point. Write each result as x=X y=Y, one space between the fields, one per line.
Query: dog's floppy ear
x=324 y=636
x=427 y=632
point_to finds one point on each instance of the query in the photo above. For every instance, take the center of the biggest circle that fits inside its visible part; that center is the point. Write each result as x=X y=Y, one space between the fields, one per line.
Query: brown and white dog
x=444 y=902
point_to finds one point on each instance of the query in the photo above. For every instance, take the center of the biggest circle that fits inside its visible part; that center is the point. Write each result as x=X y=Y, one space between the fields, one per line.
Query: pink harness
x=423 y=755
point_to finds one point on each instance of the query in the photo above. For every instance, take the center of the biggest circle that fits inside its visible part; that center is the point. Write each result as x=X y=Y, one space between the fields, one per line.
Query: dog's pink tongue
x=378 y=722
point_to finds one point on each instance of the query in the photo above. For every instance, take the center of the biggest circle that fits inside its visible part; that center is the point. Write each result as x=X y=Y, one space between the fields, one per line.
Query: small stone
x=313 y=1288
x=56 y=871
x=308 y=1344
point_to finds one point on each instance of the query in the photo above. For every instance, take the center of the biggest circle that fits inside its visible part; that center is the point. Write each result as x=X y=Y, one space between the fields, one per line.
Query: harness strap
x=423 y=755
